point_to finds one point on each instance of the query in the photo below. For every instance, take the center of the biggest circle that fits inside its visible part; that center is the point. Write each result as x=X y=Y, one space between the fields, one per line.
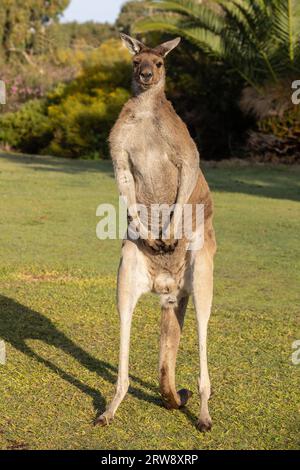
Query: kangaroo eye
x=159 y=65
x=136 y=63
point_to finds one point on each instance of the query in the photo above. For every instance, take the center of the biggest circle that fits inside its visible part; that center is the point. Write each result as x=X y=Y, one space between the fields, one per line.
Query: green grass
x=60 y=325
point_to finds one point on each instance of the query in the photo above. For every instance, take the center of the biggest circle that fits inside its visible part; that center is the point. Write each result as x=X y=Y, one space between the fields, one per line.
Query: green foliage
x=21 y=23
x=259 y=40
x=207 y=97
x=82 y=121
x=130 y=12
x=287 y=125
x=75 y=119
x=246 y=44
x=28 y=130
x=84 y=36
x=279 y=136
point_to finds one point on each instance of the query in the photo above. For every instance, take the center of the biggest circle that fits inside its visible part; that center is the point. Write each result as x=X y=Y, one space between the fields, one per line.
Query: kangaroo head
x=148 y=63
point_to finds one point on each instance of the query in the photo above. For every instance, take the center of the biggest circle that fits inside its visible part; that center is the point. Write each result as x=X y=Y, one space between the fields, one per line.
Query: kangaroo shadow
x=19 y=323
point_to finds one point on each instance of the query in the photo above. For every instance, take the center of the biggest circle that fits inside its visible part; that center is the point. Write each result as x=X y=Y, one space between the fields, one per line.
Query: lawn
x=60 y=325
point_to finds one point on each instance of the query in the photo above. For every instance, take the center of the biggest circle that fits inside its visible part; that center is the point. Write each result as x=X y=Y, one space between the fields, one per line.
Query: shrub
x=33 y=82
x=28 y=129
x=277 y=129
x=81 y=123
x=83 y=112
x=278 y=136
x=75 y=118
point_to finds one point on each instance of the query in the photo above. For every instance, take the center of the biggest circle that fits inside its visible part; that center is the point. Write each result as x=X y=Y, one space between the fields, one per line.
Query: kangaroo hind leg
x=133 y=281
x=171 y=328
x=203 y=293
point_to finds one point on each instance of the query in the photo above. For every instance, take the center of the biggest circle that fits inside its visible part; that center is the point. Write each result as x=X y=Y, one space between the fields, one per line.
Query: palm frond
x=206 y=40
x=185 y=7
x=286 y=25
x=260 y=39
x=206 y=17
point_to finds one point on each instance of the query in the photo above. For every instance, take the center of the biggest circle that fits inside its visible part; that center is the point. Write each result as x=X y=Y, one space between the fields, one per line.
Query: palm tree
x=258 y=39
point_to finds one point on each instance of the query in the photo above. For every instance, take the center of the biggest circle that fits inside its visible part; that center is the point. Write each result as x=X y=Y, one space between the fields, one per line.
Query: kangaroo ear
x=133 y=45
x=165 y=48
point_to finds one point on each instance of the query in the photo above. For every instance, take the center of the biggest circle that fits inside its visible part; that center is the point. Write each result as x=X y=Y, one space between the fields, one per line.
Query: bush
x=277 y=137
x=28 y=129
x=206 y=96
x=74 y=120
x=277 y=122
x=34 y=82
x=81 y=123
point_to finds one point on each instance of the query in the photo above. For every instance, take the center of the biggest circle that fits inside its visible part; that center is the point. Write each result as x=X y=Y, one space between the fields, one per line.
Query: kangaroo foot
x=104 y=420
x=170 y=403
x=204 y=424
x=185 y=395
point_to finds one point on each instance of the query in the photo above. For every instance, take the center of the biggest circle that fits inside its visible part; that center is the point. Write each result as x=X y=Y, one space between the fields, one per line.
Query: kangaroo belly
x=156 y=188
x=156 y=178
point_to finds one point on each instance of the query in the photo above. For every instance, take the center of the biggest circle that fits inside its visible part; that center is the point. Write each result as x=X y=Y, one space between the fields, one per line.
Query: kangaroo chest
x=156 y=176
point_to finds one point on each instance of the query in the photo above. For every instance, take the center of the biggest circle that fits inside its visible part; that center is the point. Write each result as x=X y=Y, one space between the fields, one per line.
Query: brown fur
x=157 y=162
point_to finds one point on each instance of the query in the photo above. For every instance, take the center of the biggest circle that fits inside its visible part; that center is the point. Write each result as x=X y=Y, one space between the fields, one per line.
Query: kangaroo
x=157 y=162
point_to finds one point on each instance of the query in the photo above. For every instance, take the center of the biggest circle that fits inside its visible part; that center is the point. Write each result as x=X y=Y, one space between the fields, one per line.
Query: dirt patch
x=45 y=277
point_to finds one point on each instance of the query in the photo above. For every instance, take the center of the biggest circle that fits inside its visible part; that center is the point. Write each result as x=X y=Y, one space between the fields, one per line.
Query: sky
x=96 y=10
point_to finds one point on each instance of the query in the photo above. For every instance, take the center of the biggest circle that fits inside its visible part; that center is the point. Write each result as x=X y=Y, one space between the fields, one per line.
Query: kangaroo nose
x=146 y=75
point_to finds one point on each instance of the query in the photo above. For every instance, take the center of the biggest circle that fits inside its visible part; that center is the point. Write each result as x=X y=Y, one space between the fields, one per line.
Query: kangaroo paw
x=204 y=425
x=185 y=395
x=104 y=420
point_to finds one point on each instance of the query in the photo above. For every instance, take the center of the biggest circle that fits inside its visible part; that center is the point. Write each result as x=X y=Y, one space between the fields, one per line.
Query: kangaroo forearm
x=126 y=188
x=188 y=165
x=188 y=180
x=125 y=180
